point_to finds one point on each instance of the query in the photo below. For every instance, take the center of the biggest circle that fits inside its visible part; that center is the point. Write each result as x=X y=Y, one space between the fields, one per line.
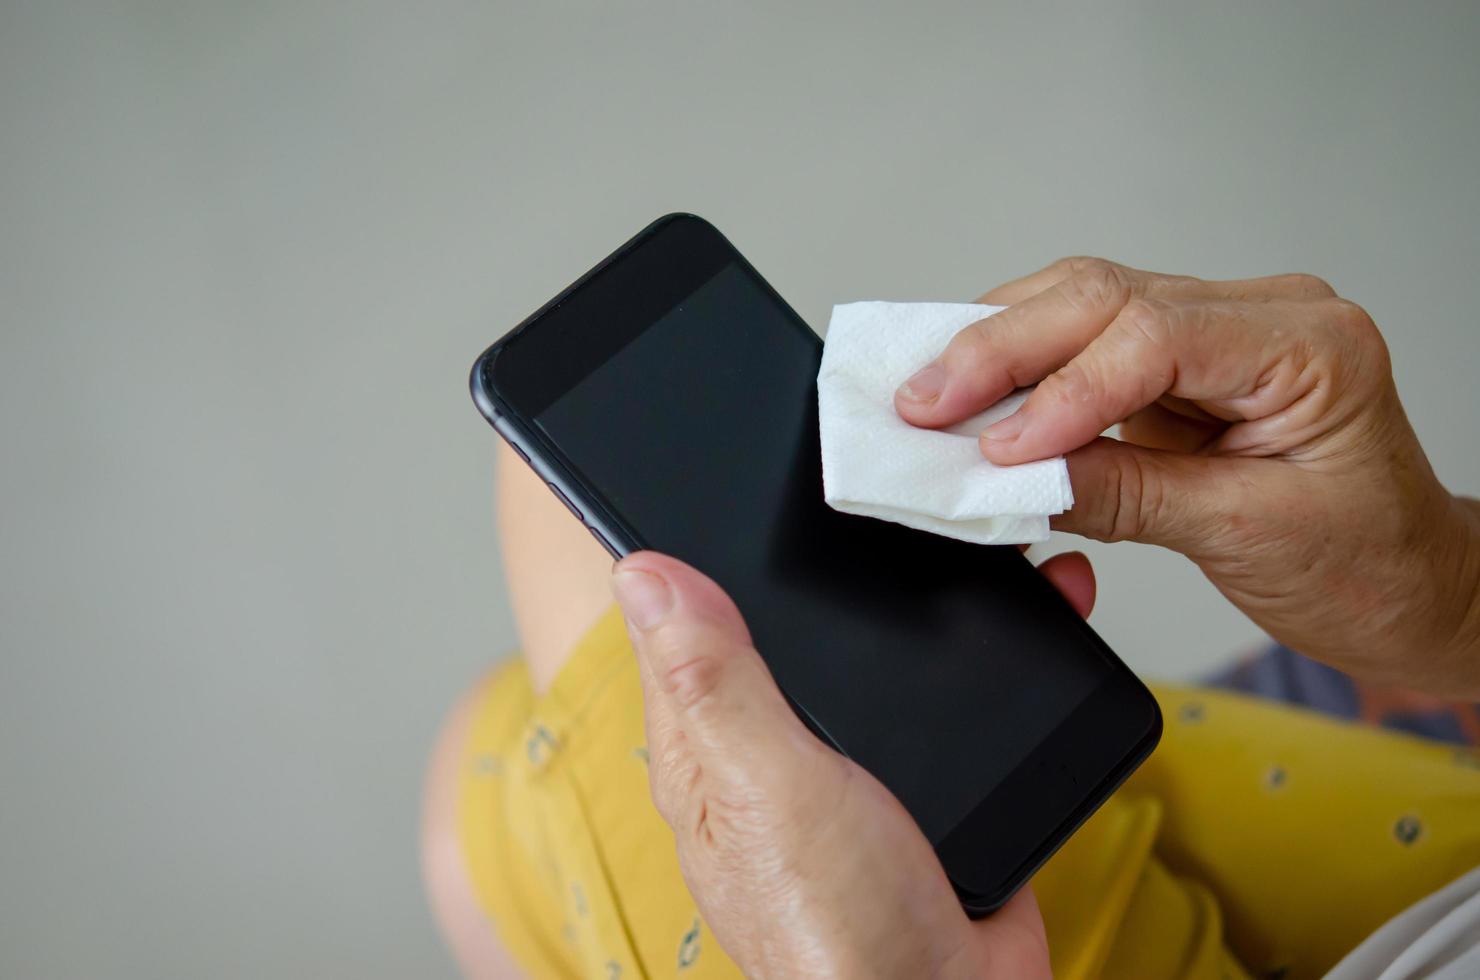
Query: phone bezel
x=1054 y=789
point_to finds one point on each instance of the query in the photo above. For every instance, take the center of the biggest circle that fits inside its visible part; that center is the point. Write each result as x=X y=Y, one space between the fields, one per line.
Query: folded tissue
x=878 y=465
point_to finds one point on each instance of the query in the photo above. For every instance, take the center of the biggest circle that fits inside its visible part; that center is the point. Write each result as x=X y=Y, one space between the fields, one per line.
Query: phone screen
x=938 y=666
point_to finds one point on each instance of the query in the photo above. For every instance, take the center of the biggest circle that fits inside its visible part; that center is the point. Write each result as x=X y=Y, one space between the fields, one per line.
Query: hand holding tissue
x=876 y=464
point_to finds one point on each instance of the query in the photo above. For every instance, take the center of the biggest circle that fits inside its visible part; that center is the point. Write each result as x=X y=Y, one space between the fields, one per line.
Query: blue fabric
x=1281 y=674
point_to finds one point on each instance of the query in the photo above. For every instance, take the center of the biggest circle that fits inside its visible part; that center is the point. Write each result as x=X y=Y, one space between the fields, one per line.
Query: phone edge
x=977 y=907
x=618 y=541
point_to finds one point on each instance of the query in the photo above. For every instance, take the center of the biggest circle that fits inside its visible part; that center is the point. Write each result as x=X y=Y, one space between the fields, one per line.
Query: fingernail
x=645 y=598
x=1006 y=430
x=927 y=383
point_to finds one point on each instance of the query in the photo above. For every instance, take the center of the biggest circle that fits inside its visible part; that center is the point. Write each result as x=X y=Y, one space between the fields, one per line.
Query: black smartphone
x=669 y=399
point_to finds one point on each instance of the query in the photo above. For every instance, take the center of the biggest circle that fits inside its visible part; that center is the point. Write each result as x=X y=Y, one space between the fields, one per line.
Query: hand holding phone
x=801 y=862
x=669 y=398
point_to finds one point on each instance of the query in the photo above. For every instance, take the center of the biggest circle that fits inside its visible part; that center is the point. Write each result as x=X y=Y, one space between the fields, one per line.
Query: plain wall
x=248 y=251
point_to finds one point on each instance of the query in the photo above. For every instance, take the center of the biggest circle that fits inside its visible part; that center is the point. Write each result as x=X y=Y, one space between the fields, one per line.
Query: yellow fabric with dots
x=1258 y=841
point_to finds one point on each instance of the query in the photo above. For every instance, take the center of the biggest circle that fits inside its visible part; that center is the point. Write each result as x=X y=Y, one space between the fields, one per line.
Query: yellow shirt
x=1259 y=840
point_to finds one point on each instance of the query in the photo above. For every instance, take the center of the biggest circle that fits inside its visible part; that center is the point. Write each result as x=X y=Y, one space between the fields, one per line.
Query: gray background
x=247 y=252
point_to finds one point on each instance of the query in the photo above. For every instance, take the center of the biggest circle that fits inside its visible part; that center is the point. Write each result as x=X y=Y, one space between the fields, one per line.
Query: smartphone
x=669 y=398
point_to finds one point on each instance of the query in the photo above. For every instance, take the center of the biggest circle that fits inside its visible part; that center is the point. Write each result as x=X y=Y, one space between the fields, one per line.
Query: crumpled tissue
x=877 y=465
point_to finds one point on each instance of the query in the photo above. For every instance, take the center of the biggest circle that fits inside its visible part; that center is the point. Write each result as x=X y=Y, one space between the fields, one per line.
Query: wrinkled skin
x=1261 y=436
x=802 y=863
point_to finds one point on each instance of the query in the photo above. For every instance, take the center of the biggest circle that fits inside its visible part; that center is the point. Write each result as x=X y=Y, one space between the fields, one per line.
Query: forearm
x=557 y=573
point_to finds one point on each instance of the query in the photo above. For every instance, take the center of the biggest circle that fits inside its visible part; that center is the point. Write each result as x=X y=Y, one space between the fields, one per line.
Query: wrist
x=1464 y=649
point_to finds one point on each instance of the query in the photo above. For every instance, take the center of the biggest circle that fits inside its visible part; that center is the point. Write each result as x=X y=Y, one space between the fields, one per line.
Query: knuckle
x=1074 y=264
x=1144 y=333
x=659 y=788
x=738 y=812
x=1356 y=325
x=691 y=679
x=753 y=813
x=668 y=772
x=1166 y=282
x=971 y=348
x=1133 y=499
x=1149 y=321
x=1349 y=316
x=1096 y=283
x=1067 y=265
x=1122 y=497
x=1071 y=387
x=1310 y=286
x=973 y=338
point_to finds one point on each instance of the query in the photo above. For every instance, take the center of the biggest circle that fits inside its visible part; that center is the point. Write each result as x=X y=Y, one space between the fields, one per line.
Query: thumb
x=701 y=674
x=1125 y=492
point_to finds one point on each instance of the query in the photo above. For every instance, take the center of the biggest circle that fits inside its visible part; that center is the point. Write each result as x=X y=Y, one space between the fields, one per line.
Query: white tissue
x=877 y=465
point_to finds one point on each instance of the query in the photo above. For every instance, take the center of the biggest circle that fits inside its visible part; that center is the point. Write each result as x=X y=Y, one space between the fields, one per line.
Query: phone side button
x=501 y=429
x=516 y=447
x=566 y=501
x=604 y=542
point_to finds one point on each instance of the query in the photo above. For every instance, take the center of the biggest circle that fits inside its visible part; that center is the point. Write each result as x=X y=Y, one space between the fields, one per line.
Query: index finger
x=1274 y=371
x=1021 y=288
x=988 y=359
x=1054 y=315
